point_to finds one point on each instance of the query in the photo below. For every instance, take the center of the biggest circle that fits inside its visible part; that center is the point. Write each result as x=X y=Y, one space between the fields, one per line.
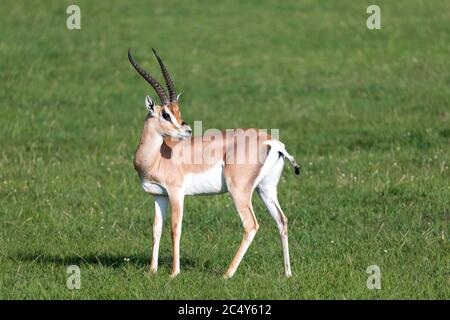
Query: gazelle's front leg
x=176 y=205
x=160 y=212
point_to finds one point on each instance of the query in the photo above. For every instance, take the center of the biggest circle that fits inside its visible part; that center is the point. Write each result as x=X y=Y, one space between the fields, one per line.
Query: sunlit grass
x=366 y=114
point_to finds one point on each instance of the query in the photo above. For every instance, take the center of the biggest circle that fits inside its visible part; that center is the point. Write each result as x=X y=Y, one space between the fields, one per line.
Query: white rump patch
x=273 y=158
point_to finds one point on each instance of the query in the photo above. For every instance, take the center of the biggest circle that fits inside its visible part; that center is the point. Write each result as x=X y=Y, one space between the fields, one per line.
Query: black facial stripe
x=166 y=116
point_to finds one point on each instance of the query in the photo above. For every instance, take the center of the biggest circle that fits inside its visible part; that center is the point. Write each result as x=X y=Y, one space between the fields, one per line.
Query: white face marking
x=211 y=181
x=172 y=118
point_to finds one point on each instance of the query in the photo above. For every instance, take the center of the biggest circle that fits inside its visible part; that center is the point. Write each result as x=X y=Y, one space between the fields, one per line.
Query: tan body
x=237 y=162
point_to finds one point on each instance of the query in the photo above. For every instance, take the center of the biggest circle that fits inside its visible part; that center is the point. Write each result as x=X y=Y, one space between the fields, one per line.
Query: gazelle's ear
x=150 y=104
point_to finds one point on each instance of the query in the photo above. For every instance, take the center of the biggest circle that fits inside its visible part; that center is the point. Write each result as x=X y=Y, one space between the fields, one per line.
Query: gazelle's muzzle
x=185 y=132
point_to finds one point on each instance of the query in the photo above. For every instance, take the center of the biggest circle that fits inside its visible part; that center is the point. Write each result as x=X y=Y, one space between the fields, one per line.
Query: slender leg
x=176 y=204
x=242 y=201
x=269 y=196
x=160 y=212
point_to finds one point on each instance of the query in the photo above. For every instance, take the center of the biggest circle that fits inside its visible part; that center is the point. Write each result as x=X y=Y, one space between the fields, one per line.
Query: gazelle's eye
x=166 y=116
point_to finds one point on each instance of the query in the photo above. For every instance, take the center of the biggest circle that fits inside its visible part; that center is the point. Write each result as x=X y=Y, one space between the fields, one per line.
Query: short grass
x=365 y=112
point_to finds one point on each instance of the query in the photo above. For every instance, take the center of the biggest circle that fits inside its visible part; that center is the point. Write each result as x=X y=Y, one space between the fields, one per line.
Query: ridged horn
x=158 y=88
x=166 y=75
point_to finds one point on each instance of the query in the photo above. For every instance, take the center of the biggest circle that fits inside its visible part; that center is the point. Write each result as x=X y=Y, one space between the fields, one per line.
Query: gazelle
x=172 y=164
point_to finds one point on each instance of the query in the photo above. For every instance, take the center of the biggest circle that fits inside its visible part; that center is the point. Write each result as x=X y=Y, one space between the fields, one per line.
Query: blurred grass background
x=365 y=112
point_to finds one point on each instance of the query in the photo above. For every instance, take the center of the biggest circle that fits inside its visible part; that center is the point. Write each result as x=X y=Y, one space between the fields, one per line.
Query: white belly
x=154 y=188
x=211 y=181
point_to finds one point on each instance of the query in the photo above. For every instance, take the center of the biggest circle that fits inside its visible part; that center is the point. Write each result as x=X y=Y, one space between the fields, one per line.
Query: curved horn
x=169 y=82
x=158 y=88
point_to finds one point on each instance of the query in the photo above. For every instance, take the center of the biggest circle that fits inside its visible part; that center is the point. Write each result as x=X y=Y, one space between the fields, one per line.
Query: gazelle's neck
x=148 y=152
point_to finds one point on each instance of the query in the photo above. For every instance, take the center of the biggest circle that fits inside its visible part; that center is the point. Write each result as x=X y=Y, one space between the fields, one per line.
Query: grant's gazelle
x=172 y=164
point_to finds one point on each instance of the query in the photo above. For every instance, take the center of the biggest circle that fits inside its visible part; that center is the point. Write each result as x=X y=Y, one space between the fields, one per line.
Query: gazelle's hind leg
x=243 y=202
x=267 y=191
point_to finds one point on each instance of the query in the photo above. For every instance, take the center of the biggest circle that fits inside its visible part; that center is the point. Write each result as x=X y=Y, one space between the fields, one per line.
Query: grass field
x=365 y=112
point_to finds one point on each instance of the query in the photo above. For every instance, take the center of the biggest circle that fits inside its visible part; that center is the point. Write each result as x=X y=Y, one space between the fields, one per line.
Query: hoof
x=227 y=275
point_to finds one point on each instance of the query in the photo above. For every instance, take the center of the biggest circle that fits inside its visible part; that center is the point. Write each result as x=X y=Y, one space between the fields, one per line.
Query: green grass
x=365 y=112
